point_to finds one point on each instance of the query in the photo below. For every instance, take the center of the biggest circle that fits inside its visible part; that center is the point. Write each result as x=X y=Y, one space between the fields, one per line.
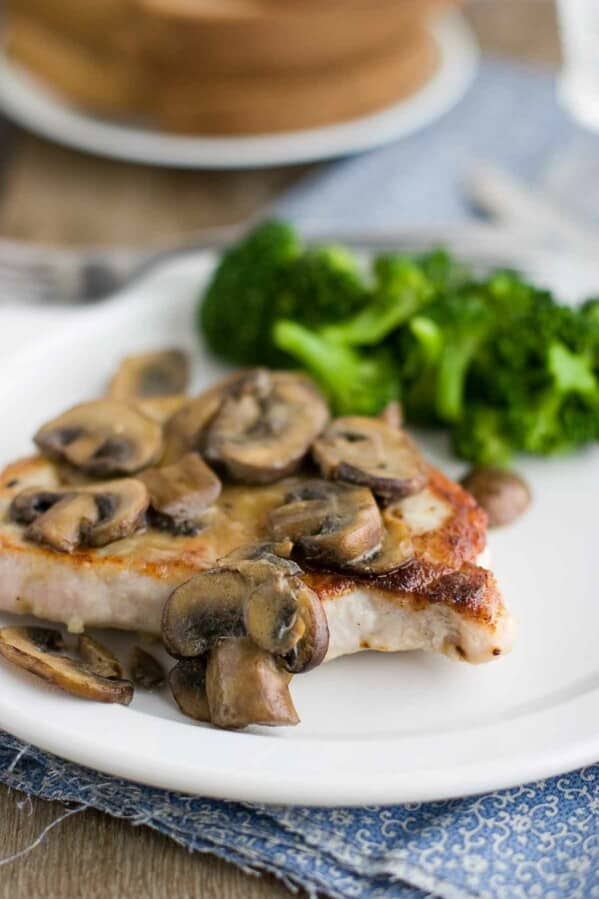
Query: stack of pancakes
x=226 y=66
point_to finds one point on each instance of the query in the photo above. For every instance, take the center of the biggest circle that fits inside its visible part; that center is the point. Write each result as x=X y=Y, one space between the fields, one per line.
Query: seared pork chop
x=441 y=600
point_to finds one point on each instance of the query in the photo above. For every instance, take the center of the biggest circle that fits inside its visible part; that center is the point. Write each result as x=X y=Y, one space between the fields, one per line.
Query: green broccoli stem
x=572 y=372
x=352 y=382
x=452 y=370
x=394 y=302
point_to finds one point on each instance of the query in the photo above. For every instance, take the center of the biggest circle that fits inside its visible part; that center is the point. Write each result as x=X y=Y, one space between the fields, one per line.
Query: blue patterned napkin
x=539 y=840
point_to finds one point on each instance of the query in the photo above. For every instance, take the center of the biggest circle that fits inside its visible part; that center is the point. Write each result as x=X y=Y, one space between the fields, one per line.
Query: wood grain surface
x=52 y=194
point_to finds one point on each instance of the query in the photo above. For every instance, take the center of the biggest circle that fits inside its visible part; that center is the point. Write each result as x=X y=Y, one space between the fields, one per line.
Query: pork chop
x=441 y=600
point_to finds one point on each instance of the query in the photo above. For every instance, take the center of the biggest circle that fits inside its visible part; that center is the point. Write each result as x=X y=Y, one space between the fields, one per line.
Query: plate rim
x=39 y=110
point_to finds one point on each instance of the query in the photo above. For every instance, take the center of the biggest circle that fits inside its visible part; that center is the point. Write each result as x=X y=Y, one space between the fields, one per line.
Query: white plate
x=375 y=728
x=30 y=104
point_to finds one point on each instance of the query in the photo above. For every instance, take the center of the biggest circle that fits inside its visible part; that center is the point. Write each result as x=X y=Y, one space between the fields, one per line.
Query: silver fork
x=39 y=275
x=32 y=274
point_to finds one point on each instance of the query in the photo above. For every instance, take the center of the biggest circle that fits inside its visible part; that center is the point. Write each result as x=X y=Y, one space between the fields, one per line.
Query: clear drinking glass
x=579 y=78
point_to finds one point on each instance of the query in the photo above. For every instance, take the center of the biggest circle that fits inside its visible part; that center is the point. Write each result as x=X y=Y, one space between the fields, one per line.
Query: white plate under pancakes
x=375 y=729
x=29 y=103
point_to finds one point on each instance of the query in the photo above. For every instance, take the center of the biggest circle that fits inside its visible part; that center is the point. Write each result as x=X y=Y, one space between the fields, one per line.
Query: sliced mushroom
x=102 y=438
x=66 y=524
x=160 y=408
x=82 y=516
x=39 y=650
x=265 y=426
x=183 y=432
x=504 y=495
x=159 y=373
x=122 y=506
x=259 y=560
x=202 y=610
x=281 y=613
x=372 y=453
x=245 y=686
x=98 y=658
x=146 y=671
x=187 y=681
x=184 y=490
x=330 y=524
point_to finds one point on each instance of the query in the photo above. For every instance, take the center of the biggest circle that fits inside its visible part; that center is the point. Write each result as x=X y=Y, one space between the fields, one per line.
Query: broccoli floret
x=236 y=312
x=563 y=415
x=444 y=343
x=483 y=437
x=401 y=290
x=422 y=346
x=443 y=270
x=268 y=276
x=590 y=310
x=354 y=382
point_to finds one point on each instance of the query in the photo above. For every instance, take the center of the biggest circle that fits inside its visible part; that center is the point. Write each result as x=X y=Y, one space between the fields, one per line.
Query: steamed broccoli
x=439 y=348
x=499 y=361
x=401 y=290
x=483 y=436
x=268 y=276
x=354 y=382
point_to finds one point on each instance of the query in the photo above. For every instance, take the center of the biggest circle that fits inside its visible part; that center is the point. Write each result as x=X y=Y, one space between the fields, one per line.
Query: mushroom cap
x=372 y=453
x=65 y=523
x=38 y=650
x=331 y=524
x=122 y=505
x=503 y=494
x=184 y=430
x=102 y=438
x=202 y=610
x=97 y=657
x=187 y=681
x=92 y=515
x=183 y=490
x=281 y=613
x=146 y=671
x=265 y=425
x=244 y=686
x=160 y=408
x=159 y=373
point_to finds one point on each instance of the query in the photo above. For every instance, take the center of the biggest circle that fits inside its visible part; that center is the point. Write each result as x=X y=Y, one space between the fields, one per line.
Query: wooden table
x=52 y=194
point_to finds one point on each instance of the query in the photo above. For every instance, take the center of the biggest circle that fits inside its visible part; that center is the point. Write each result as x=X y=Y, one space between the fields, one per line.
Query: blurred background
x=233 y=68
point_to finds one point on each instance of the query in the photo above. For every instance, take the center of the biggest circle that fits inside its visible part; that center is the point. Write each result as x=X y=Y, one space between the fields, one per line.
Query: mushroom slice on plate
x=330 y=524
x=183 y=490
x=281 y=613
x=159 y=373
x=82 y=516
x=372 y=453
x=160 y=408
x=102 y=438
x=260 y=560
x=202 y=610
x=245 y=686
x=265 y=426
x=66 y=524
x=503 y=494
x=187 y=681
x=122 y=505
x=184 y=430
x=98 y=658
x=39 y=650
x=286 y=618
x=146 y=670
